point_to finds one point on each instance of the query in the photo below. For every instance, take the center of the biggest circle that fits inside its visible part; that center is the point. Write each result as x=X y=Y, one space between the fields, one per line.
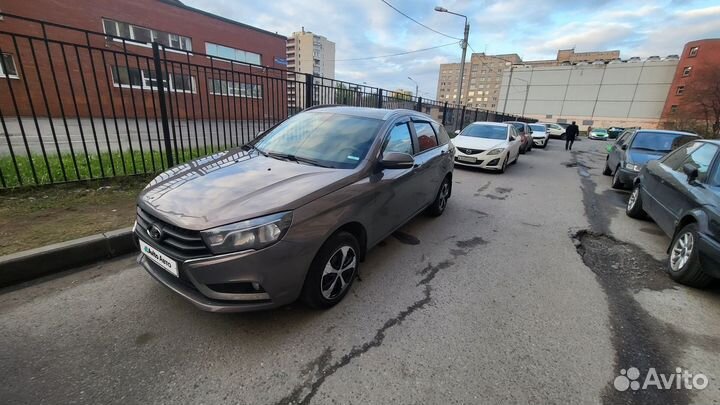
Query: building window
x=136 y=78
x=8 y=65
x=232 y=53
x=234 y=89
x=693 y=52
x=686 y=71
x=673 y=108
x=146 y=35
x=680 y=90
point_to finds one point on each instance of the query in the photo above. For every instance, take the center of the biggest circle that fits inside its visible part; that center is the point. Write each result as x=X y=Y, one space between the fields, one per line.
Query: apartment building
x=310 y=54
x=481 y=85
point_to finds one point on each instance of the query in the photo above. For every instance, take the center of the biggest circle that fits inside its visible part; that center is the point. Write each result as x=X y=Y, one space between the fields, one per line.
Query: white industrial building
x=600 y=95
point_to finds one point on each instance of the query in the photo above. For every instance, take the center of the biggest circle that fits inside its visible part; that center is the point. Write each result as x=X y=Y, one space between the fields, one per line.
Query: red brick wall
x=39 y=62
x=708 y=56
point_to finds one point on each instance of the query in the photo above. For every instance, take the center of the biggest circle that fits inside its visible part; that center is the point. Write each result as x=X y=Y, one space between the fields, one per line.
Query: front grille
x=175 y=241
x=469 y=151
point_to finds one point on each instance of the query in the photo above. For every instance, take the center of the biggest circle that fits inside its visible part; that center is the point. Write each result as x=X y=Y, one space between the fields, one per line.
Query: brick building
x=218 y=66
x=696 y=72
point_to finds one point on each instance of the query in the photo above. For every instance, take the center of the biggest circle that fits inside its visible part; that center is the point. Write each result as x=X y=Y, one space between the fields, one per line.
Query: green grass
x=62 y=168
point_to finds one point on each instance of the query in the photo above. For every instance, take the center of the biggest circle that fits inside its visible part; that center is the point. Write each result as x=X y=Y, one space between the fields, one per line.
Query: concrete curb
x=34 y=263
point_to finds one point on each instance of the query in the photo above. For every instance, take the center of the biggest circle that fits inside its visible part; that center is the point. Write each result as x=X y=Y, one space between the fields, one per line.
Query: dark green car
x=614 y=132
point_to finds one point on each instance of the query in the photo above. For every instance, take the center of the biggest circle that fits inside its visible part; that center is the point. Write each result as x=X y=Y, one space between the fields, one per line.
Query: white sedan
x=487 y=145
x=540 y=135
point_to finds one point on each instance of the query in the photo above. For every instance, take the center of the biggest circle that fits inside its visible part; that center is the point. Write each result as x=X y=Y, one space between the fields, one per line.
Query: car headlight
x=252 y=234
x=630 y=166
x=496 y=151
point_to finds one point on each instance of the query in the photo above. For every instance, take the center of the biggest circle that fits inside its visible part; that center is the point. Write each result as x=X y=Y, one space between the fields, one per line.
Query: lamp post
x=417 y=94
x=463 y=45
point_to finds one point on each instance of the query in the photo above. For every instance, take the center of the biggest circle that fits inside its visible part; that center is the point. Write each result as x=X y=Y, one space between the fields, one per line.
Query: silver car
x=292 y=214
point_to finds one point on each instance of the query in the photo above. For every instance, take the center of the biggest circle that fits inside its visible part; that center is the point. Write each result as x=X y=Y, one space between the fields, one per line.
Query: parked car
x=292 y=214
x=634 y=148
x=540 y=135
x=555 y=130
x=487 y=145
x=614 y=132
x=525 y=133
x=681 y=193
x=600 y=134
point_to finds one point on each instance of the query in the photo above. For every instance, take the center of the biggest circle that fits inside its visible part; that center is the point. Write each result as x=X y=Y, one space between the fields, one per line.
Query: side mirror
x=457 y=132
x=396 y=160
x=691 y=172
x=624 y=147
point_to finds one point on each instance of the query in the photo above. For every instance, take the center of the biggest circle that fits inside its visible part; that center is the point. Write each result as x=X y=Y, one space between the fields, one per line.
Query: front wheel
x=607 y=170
x=441 y=199
x=684 y=261
x=332 y=272
x=616 y=181
x=634 y=207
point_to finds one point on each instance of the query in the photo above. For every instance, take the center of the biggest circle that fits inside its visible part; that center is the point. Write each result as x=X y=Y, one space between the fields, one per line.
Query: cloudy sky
x=534 y=29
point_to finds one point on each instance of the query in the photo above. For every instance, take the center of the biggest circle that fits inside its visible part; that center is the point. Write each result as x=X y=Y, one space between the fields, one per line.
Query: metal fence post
x=444 y=113
x=380 y=100
x=476 y=112
x=462 y=118
x=419 y=104
x=309 y=83
x=163 y=106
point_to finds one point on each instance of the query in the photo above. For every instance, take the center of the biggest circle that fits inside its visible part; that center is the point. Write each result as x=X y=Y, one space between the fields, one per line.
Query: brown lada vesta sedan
x=292 y=214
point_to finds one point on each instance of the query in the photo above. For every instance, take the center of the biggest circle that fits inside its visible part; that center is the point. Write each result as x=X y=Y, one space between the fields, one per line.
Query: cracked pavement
x=513 y=295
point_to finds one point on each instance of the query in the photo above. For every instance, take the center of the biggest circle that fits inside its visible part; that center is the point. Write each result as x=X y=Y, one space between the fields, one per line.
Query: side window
x=426 y=136
x=675 y=159
x=701 y=158
x=399 y=140
x=623 y=138
x=513 y=133
x=442 y=135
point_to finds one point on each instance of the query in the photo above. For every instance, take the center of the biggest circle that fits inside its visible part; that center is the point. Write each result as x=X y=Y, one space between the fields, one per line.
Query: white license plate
x=163 y=261
x=468 y=159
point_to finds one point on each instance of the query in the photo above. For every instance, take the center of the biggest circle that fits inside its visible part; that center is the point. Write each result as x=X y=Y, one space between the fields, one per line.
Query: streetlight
x=507 y=92
x=464 y=47
x=416 y=86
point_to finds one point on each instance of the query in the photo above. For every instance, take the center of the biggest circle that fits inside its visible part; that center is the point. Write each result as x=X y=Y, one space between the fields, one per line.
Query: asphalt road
x=533 y=287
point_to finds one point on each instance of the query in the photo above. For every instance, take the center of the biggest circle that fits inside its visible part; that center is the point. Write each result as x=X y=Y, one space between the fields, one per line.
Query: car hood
x=641 y=157
x=472 y=142
x=233 y=186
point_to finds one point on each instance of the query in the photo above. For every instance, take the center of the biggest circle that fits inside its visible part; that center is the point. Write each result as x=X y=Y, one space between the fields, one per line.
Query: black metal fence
x=79 y=105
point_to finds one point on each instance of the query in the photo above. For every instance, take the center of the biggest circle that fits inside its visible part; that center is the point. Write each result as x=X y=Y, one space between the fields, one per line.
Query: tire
x=504 y=165
x=616 y=182
x=563 y=136
x=607 y=171
x=634 y=208
x=438 y=206
x=544 y=145
x=684 y=260
x=321 y=290
x=516 y=158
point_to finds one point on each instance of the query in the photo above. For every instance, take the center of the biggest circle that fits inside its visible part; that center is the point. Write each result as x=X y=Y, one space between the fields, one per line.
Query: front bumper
x=482 y=160
x=540 y=141
x=598 y=138
x=710 y=255
x=214 y=283
x=627 y=177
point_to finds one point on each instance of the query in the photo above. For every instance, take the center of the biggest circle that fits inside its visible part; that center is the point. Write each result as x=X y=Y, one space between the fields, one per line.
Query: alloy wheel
x=682 y=251
x=633 y=198
x=444 y=193
x=338 y=272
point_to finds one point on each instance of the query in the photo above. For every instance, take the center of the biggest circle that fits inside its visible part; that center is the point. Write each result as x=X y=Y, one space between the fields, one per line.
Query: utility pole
x=463 y=46
x=527 y=90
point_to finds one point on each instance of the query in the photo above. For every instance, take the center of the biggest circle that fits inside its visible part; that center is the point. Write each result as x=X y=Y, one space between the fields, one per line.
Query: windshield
x=485 y=131
x=660 y=141
x=599 y=130
x=538 y=128
x=332 y=140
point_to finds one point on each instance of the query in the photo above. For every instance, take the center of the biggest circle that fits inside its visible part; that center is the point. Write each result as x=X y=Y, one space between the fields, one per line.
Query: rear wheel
x=684 y=261
x=332 y=272
x=441 y=200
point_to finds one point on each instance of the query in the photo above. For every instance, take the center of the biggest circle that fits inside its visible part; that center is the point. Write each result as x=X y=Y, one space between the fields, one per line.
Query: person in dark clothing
x=570 y=133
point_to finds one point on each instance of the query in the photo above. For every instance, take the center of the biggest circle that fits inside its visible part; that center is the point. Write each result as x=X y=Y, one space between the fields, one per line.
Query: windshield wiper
x=293 y=158
x=250 y=146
